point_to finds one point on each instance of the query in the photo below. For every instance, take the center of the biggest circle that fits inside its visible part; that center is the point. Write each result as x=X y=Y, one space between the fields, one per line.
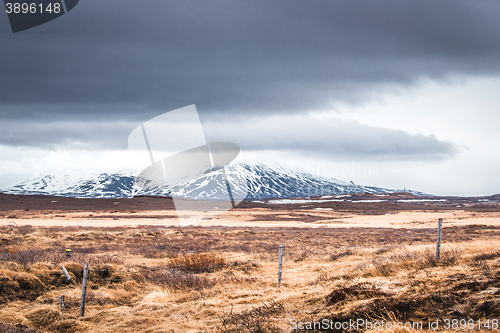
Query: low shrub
x=24 y=229
x=391 y=264
x=198 y=262
x=43 y=317
x=357 y=291
x=103 y=258
x=6 y=328
x=30 y=256
x=178 y=280
x=340 y=254
x=245 y=266
x=254 y=320
x=447 y=258
x=157 y=250
x=481 y=265
x=487 y=256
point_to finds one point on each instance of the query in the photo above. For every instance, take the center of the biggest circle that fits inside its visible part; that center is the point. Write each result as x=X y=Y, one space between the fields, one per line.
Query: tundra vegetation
x=222 y=279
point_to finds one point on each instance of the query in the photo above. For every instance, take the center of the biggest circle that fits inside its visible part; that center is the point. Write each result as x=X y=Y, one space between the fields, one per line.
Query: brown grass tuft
x=198 y=262
x=31 y=256
x=68 y=326
x=256 y=319
x=179 y=280
x=5 y=328
x=43 y=317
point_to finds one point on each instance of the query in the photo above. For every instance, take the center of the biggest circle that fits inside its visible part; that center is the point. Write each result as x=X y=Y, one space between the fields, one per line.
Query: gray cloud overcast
x=331 y=138
x=124 y=60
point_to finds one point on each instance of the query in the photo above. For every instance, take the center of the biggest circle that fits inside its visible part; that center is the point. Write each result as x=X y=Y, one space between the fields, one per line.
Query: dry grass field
x=154 y=278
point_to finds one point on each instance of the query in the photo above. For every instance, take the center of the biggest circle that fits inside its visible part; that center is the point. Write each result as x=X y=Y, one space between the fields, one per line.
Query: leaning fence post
x=84 y=289
x=438 y=243
x=61 y=301
x=280 y=264
x=65 y=272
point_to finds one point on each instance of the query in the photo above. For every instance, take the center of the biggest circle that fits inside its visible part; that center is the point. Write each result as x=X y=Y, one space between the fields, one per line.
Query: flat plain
x=360 y=257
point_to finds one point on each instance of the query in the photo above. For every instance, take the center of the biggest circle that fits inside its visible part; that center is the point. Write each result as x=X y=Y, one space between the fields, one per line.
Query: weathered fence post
x=65 y=272
x=438 y=243
x=280 y=264
x=61 y=301
x=84 y=289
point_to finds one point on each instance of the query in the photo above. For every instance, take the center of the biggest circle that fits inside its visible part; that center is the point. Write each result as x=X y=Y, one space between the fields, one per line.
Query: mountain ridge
x=260 y=180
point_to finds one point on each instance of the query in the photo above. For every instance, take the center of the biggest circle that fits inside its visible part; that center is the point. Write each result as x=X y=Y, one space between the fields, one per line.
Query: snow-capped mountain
x=78 y=184
x=260 y=181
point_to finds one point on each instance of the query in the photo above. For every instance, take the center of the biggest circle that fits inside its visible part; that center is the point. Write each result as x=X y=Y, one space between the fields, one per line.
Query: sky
x=384 y=93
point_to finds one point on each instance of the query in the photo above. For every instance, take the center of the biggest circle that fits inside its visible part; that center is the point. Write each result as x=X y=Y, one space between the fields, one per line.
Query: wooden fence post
x=65 y=272
x=438 y=243
x=84 y=289
x=280 y=264
x=61 y=301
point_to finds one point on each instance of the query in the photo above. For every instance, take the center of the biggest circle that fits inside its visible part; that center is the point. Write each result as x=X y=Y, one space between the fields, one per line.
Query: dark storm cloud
x=125 y=60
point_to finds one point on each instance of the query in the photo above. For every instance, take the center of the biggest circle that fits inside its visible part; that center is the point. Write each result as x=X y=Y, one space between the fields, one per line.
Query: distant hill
x=262 y=182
